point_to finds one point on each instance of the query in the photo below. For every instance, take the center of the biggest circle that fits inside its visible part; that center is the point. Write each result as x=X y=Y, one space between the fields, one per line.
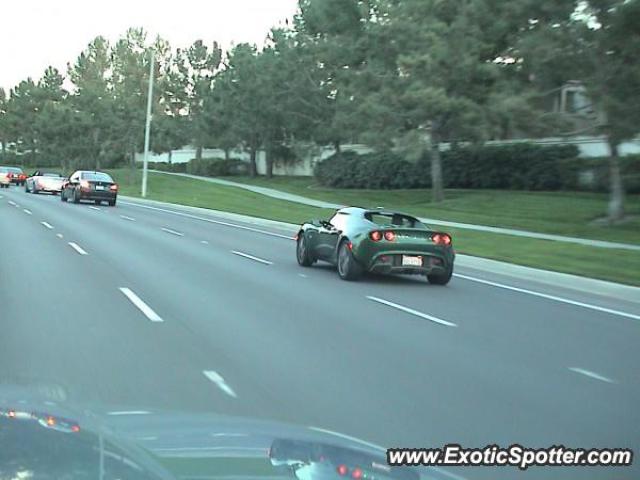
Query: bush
x=518 y=167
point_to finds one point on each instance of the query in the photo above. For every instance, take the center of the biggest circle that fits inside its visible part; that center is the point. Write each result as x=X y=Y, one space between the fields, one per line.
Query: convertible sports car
x=379 y=241
x=44 y=182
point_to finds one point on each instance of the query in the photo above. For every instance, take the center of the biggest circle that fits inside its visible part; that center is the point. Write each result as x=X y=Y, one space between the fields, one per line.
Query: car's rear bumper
x=48 y=189
x=98 y=195
x=392 y=263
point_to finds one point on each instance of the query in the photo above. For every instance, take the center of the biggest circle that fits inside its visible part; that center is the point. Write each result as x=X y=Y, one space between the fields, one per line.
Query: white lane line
x=204 y=242
x=12 y=203
x=129 y=412
x=303 y=275
x=124 y=217
x=59 y=235
x=412 y=312
x=589 y=373
x=217 y=222
x=77 y=248
x=95 y=208
x=251 y=257
x=28 y=212
x=173 y=232
x=143 y=307
x=216 y=378
x=550 y=297
x=50 y=227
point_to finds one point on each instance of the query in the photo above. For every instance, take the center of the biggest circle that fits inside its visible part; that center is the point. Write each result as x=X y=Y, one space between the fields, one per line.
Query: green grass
x=561 y=213
x=608 y=264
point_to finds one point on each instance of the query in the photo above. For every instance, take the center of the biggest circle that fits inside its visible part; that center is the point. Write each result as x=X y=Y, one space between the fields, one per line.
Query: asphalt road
x=142 y=308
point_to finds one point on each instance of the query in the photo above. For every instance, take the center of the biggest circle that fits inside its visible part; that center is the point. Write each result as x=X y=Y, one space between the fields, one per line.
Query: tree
x=597 y=44
x=91 y=115
x=192 y=78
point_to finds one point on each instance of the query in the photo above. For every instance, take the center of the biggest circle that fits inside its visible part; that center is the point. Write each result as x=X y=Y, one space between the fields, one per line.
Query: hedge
x=513 y=167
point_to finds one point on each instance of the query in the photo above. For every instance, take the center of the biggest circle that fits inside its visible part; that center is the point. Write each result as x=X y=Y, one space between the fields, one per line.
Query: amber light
x=51 y=421
x=390 y=236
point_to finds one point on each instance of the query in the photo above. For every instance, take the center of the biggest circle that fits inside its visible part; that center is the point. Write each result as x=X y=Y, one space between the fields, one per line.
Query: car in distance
x=359 y=240
x=5 y=179
x=17 y=176
x=41 y=181
x=90 y=185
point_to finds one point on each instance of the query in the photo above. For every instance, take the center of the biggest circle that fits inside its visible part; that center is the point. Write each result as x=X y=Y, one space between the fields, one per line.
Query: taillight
x=75 y=428
x=10 y=175
x=356 y=474
x=11 y=413
x=113 y=188
x=441 y=239
x=342 y=470
x=84 y=184
x=51 y=421
x=376 y=236
x=350 y=245
x=389 y=236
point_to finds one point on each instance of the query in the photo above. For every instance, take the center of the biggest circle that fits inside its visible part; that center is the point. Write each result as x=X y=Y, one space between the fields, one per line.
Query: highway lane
x=308 y=349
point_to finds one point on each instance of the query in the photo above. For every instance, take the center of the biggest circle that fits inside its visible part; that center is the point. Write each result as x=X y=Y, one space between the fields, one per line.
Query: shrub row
x=514 y=167
x=207 y=167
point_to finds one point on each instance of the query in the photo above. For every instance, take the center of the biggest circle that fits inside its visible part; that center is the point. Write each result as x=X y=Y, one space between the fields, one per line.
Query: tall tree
x=195 y=68
x=597 y=44
x=92 y=105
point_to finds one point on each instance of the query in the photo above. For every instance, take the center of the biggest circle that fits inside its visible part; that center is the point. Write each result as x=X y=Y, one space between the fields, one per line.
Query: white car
x=5 y=181
x=44 y=182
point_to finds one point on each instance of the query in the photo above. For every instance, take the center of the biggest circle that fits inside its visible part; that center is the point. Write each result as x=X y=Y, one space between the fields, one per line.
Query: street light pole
x=147 y=130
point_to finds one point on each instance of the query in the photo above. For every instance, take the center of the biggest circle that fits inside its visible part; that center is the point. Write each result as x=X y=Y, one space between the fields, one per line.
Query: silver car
x=44 y=182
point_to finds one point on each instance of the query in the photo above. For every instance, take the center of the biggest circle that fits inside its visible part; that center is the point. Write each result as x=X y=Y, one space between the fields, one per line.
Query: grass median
x=607 y=264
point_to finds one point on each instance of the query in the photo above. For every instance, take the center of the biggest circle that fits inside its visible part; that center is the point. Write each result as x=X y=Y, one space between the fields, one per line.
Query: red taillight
x=9 y=175
x=75 y=428
x=342 y=470
x=356 y=474
x=441 y=239
x=113 y=188
x=84 y=184
x=375 y=236
x=350 y=245
x=389 y=236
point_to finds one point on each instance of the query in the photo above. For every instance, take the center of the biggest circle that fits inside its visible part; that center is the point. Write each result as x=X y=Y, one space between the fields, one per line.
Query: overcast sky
x=38 y=33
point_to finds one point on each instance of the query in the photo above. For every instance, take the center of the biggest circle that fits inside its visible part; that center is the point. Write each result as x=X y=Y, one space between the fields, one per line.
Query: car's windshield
x=14 y=170
x=96 y=176
x=392 y=219
x=55 y=175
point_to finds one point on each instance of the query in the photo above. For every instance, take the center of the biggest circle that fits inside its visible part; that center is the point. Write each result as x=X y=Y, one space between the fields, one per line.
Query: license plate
x=99 y=187
x=410 y=261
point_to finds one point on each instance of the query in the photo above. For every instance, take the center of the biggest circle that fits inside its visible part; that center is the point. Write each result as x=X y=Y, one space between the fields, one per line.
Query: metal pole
x=147 y=130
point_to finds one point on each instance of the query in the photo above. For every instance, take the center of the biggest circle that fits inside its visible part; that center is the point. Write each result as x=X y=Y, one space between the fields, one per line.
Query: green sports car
x=359 y=240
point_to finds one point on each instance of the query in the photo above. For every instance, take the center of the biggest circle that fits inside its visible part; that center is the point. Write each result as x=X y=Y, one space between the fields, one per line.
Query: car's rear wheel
x=112 y=203
x=441 y=278
x=97 y=202
x=348 y=268
x=302 y=251
x=76 y=196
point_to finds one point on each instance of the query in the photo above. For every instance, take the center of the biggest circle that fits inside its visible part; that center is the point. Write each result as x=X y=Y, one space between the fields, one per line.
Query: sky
x=37 y=33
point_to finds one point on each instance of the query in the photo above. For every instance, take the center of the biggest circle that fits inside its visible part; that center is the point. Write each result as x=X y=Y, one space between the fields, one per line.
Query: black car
x=90 y=185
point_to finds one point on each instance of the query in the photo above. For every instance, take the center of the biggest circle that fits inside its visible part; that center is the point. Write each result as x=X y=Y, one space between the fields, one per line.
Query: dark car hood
x=41 y=438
